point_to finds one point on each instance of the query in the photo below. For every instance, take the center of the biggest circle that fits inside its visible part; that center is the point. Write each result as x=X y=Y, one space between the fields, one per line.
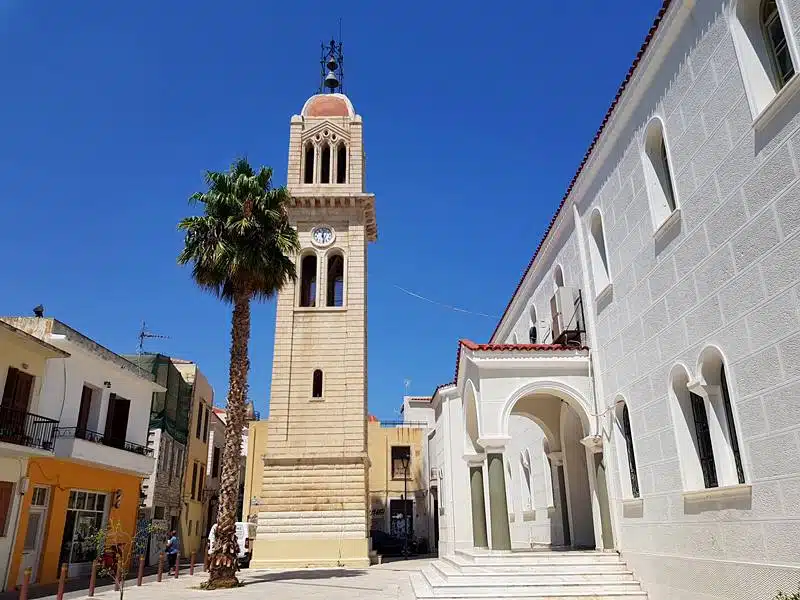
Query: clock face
x=322 y=236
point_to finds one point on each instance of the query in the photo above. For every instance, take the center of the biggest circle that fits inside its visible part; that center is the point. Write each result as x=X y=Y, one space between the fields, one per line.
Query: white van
x=245 y=534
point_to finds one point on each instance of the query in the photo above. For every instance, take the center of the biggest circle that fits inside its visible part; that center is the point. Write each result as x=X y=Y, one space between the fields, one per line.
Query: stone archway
x=579 y=515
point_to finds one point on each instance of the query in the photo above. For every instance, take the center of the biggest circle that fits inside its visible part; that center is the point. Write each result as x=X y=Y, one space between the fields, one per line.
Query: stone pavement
x=389 y=581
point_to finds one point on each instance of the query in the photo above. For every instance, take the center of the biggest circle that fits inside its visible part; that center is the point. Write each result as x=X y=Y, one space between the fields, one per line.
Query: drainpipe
x=16 y=528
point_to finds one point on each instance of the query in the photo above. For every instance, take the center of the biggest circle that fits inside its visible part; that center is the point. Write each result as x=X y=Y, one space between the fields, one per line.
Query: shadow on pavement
x=303 y=574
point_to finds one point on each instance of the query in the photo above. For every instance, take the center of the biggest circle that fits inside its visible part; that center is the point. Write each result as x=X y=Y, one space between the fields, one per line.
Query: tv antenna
x=146 y=334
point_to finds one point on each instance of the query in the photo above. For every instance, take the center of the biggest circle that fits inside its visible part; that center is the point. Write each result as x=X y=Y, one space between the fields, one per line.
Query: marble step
x=423 y=590
x=479 y=575
x=538 y=558
x=469 y=567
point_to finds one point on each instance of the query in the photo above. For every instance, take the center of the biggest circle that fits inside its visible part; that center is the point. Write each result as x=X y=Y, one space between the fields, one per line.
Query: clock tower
x=313 y=510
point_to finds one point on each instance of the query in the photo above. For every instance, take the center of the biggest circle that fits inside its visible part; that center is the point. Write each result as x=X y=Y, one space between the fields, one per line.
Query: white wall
x=726 y=274
x=13 y=470
x=64 y=379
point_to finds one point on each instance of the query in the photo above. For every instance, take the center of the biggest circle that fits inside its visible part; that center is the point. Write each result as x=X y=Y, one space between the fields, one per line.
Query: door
x=117 y=421
x=83 y=413
x=34 y=535
x=14 y=406
x=435 y=496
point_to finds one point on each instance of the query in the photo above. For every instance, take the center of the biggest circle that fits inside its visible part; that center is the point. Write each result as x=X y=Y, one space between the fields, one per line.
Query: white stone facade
x=683 y=271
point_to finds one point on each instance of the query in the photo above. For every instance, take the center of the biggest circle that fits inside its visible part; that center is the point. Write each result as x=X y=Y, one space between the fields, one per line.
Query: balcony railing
x=99 y=438
x=410 y=424
x=26 y=429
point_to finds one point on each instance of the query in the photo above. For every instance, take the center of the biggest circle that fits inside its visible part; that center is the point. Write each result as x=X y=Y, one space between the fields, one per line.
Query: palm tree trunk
x=223 y=562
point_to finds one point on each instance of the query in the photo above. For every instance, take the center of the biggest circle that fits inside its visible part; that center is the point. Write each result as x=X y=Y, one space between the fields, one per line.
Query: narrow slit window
x=532 y=334
x=308 y=167
x=341 y=164
x=726 y=399
x=335 y=295
x=597 y=253
x=316 y=391
x=626 y=431
x=308 y=281
x=325 y=165
x=777 y=45
x=705 y=450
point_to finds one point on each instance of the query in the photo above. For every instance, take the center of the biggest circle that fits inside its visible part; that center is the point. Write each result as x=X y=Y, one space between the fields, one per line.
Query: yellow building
x=22 y=367
x=88 y=421
x=396 y=484
x=254 y=469
x=193 y=527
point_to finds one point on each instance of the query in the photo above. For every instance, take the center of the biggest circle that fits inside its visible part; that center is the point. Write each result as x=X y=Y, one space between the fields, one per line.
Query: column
x=560 y=497
x=479 y=537
x=498 y=503
x=594 y=445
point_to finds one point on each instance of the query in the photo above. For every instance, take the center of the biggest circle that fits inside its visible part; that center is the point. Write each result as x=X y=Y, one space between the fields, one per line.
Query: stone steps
x=536 y=574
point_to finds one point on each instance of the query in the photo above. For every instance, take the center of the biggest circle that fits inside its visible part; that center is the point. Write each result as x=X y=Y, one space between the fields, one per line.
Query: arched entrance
x=572 y=498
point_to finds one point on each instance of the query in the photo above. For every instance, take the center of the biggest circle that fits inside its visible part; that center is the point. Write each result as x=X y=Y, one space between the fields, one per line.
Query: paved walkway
x=388 y=581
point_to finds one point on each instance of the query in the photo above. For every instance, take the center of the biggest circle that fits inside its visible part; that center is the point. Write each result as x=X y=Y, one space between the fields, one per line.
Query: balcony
x=27 y=429
x=90 y=446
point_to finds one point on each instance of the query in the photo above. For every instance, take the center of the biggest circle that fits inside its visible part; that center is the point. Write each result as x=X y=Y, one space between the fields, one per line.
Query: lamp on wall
x=24 y=484
x=117 y=498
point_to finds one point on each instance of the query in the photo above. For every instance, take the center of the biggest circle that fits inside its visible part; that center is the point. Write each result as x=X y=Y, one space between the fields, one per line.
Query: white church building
x=638 y=404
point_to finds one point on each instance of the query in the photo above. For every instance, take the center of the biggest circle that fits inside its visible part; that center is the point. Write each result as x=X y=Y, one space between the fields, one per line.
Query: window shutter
x=704 y=449
x=6 y=490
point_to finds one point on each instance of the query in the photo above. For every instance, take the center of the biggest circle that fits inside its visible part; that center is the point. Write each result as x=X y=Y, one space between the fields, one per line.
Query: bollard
x=93 y=578
x=61 y=580
x=141 y=571
x=177 y=564
x=26 y=581
x=191 y=563
x=160 y=566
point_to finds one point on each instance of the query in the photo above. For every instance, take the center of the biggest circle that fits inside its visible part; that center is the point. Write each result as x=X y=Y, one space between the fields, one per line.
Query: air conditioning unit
x=567 y=315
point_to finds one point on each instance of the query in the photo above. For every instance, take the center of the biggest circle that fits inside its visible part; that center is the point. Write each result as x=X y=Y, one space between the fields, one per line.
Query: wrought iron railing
x=98 y=438
x=26 y=429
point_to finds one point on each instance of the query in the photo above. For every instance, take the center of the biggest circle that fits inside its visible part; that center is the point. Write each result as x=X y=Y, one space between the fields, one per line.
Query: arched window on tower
x=308 y=280
x=341 y=164
x=777 y=46
x=597 y=253
x=658 y=174
x=335 y=291
x=325 y=164
x=316 y=384
x=308 y=164
x=624 y=426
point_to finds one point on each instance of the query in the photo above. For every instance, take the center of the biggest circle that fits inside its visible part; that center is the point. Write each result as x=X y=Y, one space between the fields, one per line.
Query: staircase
x=546 y=573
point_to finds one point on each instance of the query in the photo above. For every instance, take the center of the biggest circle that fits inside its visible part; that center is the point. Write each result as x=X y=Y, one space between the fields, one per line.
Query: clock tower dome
x=313 y=508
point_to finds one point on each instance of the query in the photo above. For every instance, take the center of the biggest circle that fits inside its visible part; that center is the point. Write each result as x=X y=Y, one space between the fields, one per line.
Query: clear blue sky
x=476 y=116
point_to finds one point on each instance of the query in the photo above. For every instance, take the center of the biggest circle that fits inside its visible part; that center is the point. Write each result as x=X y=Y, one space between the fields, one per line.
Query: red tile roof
x=650 y=34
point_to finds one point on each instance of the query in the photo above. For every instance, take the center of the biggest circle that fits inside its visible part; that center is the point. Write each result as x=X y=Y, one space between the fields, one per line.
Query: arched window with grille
x=658 y=174
x=341 y=164
x=335 y=287
x=777 y=46
x=308 y=163
x=316 y=384
x=308 y=280
x=325 y=164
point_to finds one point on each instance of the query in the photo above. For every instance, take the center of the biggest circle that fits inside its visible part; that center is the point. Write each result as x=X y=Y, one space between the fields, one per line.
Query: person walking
x=173 y=547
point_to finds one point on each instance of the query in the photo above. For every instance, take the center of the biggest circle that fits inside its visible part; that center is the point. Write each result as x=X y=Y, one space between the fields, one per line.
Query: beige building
x=254 y=469
x=397 y=490
x=193 y=527
x=313 y=506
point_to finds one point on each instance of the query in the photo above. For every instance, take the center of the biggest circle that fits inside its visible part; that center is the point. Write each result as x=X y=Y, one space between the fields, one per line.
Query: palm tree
x=240 y=249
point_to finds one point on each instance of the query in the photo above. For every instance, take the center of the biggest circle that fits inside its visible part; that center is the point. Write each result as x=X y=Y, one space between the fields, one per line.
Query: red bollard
x=191 y=563
x=61 y=580
x=160 y=566
x=26 y=581
x=93 y=578
x=177 y=564
x=141 y=571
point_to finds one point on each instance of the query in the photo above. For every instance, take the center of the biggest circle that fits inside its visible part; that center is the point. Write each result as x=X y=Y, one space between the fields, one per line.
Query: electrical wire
x=443 y=305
